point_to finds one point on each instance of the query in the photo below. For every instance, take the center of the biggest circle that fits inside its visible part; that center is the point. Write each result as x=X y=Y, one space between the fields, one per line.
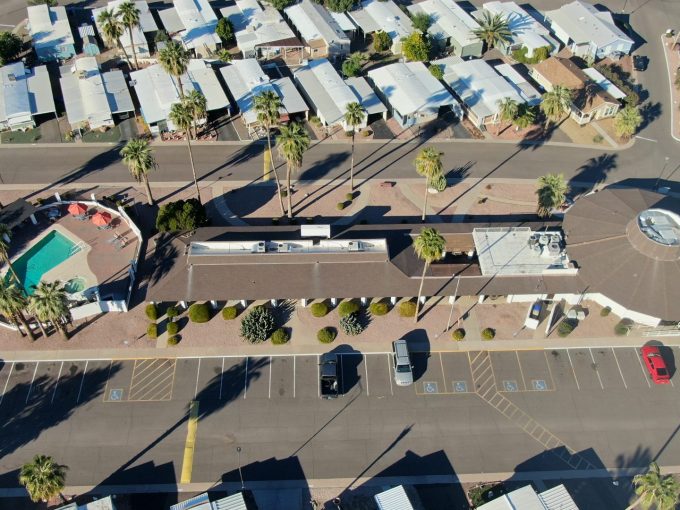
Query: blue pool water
x=45 y=255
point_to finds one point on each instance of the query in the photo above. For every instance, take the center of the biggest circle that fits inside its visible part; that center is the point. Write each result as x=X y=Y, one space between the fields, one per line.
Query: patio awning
x=16 y=213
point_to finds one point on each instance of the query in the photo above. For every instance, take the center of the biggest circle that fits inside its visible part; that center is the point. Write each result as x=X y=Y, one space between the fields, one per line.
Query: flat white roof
x=367 y=96
x=314 y=22
x=604 y=83
x=246 y=79
x=221 y=248
x=255 y=25
x=526 y=498
x=393 y=499
x=526 y=30
x=477 y=84
x=146 y=22
x=526 y=90
x=343 y=20
x=375 y=15
x=199 y=21
x=157 y=90
x=410 y=87
x=49 y=26
x=448 y=20
x=583 y=23
x=24 y=91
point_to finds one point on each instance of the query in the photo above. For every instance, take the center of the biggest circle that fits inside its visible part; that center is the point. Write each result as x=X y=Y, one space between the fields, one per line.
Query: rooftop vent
x=283 y=248
x=260 y=247
x=355 y=246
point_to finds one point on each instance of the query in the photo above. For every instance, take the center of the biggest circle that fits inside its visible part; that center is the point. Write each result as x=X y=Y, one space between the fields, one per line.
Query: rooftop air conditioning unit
x=554 y=249
x=355 y=246
x=260 y=247
x=11 y=77
x=283 y=247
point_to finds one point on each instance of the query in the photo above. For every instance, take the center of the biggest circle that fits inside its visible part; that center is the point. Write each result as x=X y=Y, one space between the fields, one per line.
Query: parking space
x=585 y=370
x=428 y=373
x=457 y=370
x=508 y=372
x=631 y=366
x=19 y=385
x=117 y=387
x=307 y=376
x=69 y=381
x=282 y=375
x=258 y=379
x=378 y=379
x=535 y=370
x=607 y=368
x=209 y=378
x=44 y=381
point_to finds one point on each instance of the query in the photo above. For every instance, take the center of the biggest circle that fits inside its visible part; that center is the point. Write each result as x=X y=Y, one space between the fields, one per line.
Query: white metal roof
x=583 y=23
x=40 y=91
x=393 y=499
x=386 y=16
x=526 y=90
x=170 y=20
x=98 y=504
x=202 y=502
x=14 y=98
x=558 y=498
x=233 y=502
x=477 y=84
x=367 y=96
x=255 y=25
x=157 y=90
x=526 y=30
x=314 y=22
x=343 y=20
x=410 y=87
x=448 y=20
x=146 y=22
x=246 y=79
x=49 y=26
x=525 y=498
x=199 y=21
x=604 y=83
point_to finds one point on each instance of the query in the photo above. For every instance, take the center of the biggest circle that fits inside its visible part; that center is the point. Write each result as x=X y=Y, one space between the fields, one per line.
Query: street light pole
x=453 y=301
x=240 y=473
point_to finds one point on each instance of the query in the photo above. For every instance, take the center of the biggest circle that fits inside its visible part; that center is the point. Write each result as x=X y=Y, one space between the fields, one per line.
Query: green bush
x=540 y=54
x=407 y=309
x=173 y=340
x=458 y=334
x=488 y=334
x=381 y=41
x=229 y=313
x=181 y=215
x=199 y=312
x=319 y=309
x=438 y=183
x=605 y=311
x=623 y=328
x=151 y=312
x=172 y=328
x=10 y=46
x=677 y=78
x=436 y=71
x=598 y=138
x=152 y=331
x=349 y=196
x=340 y=206
x=171 y=312
x=326 y=335
x=347 y=308
x=350 y=325
x=225 y=30
x=565 y=328
x=257 y=325
x=379 y=308
x=280 y=337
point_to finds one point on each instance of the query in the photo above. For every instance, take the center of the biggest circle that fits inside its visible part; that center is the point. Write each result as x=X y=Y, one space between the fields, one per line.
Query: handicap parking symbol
x=510 y=385
x=116 y=395
x=430 y=387
x=539 y=384
x=460 y=386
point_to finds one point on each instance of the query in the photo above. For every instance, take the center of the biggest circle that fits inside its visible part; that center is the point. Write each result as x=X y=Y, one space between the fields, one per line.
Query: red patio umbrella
x=77 y=209
x=101 y=218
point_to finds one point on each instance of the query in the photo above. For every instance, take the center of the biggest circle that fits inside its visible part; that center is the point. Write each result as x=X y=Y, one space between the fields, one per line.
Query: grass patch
x=30 y=136
x=110 y=135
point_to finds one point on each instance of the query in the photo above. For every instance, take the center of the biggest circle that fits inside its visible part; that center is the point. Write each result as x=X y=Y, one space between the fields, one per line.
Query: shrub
x=416 y=47
x=225 y=30
x=199 y=312
x=339 y=5
x=407 y=309
x=10 y=46
x=173 y=340
x=421 y=21
x=605 y=311
x=347 y=308
x=229 y=313
x=152 y=331
x=314 y=120
x=540 y=54
x=280 y=337
x=565 y=328
x=161 y=36
x=348 y=134
x=181 y=215
x=378 y=308
x=488 y=334
x=677 y=78
x=623 y=328
x=458 y=334
x=340 y=206
x=439 y=183
x=381 y=41
x=349 y=196
x=172 y=328
x=326 y=335
x=436 y=71
x=257 y=325
x=350 y=325
x=151 y=312
x=319 y=309
x=598 y=138
x=171 y=312
x=366 y=133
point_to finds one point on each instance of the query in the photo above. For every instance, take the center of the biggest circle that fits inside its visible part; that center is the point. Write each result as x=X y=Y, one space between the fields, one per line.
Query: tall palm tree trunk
x=351 y=165
x=427 y=185
x=180 y=86
x=61 y=328
x=132 y=43
x=276 y=175
x=420 y=292
x=42 y=327
x=14 y=319
x=5 y=259
x=193 y=168
x=290 y=201
x=24 y=324
x=127 y=57
x=635 y=503
x=147 y=187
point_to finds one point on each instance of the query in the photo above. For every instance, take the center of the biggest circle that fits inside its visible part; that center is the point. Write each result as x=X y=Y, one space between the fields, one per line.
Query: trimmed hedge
x=152 y=331
x=326 y=335
x=173 y=340
x=171 y=312
x=280 y=337
x=349 y=196
x=172 y=328
x=458 y=334
x=407 y=309
x=347 y=308
x=340 y=206
x=229 y=313
x=605 y=311
x=199 y=312
x=623 y=328
x=379 y=308
x=151 y=312
x=488 y=334
x=319 y=309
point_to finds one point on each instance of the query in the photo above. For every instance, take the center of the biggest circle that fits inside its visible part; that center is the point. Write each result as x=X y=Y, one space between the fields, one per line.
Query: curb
x=670 y=87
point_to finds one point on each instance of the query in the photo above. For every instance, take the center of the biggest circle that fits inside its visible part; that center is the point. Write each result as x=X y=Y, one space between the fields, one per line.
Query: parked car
x=403 y=370
x=640 y=63
x=655 y=364
x=328 y=375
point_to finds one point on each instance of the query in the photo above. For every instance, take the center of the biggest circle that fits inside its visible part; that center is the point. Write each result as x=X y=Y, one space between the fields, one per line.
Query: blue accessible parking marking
x=460 y=386
x=539 y=385
x=115 y=395
x=430 y=387
x=510 y=385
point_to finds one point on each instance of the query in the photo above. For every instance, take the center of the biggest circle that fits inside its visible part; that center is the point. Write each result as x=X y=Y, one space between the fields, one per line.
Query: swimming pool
x=53 y=249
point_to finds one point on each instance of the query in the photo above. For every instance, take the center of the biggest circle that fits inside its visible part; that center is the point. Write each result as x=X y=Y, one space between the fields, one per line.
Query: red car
x=655 y=364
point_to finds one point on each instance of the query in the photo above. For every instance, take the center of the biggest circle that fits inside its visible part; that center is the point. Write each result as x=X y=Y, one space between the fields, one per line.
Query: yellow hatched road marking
x=192 y=427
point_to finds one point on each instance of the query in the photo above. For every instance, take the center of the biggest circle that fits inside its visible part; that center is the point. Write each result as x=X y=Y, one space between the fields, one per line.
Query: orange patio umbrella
x=77 y=208
x=101 y=218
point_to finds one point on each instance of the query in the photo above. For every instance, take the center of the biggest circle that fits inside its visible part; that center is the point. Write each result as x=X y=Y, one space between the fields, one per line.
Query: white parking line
x=441 y=364
x=245 y=380
x=547 y=364
x=368 y=394
x=389 y=373
x=578 y=386
x=318 y=379
x=221 y=379
x=620 y=371
x=198 y=372
x=595 y=368
x=54 y=393
x=644 y=373
x=270 y=377
x=83 y=380
x=33 y=379
x=4 y=390
x=294 y=358
x=521 y=372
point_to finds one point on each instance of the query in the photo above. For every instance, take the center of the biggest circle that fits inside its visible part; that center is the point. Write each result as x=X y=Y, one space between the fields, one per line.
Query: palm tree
x=43 y=478
x=198 y=105
x=556 y=103
x=429 y=247
x=292 y=141
x=267 y=105
x=428 y=163
x=354 y=117
x=552 y=191
x=5 y=237
x=653 y=488
x=627 y=121
x=129 y=16
x=139 y=158
x=174 y=59
x=112 y=30
x=526 y=116
x=508 y=109
x=12 y=306
x=223 y=55
x=49 y=303
x=493 y=29
x=182 y=116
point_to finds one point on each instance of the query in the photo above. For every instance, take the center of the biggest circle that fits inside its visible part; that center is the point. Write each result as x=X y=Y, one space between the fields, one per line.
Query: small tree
x=138 y=157
x=10 y=46
x=421 y=21
x=416 y=47
x=354 y=117
x=292 y=142
x=653 y=488
x=526 y=116
x=627 y=121
x=552 y=192
x=280 y=4
x=556 y=103
x=43 y=478
x=436 y=71
x=225 y=30
x=428 y=163
x=181 y=215
x=493 y=29
x=508 y=109
x=339 y=5
x=381 y=41
x=429 y=247
x=257 y=325
x=352 y=65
